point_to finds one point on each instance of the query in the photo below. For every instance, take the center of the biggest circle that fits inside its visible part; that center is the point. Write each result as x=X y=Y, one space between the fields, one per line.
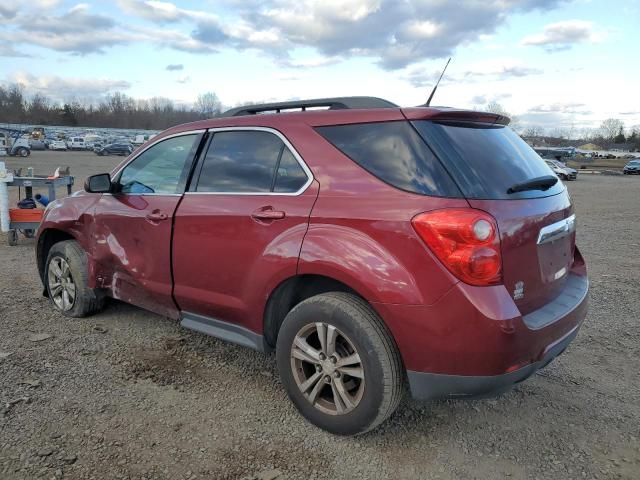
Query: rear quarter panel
x=360 y=230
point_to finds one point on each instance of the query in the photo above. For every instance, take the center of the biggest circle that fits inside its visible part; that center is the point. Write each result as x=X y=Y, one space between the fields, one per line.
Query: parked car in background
x=632 y=168
x=368 y=245
x=76 y=143
x=114 y=149
x=562 y=171
x=37 y=144
x=57 y=145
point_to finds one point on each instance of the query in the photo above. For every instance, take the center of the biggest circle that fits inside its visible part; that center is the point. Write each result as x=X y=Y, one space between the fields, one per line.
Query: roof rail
x=338 y=103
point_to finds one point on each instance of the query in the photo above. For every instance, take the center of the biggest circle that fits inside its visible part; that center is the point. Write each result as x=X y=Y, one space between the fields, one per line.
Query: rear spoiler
x=454 y=115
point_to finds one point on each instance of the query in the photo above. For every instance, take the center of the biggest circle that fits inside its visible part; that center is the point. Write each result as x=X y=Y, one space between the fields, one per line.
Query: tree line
x=119 y=110
x=116 y=110
x=612 y=131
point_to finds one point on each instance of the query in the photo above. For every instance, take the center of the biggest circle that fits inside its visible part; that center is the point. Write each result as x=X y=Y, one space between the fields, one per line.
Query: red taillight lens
x=465 y=240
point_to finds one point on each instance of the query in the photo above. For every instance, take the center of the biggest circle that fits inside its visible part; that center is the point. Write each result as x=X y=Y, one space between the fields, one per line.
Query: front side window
x=249 y=162
x=161 y=169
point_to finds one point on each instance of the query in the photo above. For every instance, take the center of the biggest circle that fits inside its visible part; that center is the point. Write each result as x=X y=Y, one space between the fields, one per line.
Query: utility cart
x=27 y=221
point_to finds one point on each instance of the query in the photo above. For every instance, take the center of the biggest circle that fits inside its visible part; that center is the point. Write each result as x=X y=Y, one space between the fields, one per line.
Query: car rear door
x=133 y=226
x=239 y=229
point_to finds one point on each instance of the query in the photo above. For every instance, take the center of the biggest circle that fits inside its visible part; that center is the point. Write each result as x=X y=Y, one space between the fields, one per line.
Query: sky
x=555 y=64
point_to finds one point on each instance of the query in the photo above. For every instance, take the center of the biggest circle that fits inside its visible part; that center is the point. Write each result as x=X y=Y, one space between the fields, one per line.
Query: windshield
x=486 y=161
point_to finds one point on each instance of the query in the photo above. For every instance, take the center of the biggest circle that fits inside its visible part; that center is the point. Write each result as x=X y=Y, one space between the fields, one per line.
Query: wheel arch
x=47 y=239
x=290 y=293
x=296 y=289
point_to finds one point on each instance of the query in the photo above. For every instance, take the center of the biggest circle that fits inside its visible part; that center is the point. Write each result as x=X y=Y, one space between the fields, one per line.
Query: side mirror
x=100 y=183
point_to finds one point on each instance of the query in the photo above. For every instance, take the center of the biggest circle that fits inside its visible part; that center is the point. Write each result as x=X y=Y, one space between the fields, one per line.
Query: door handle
x=268 y=215
x=157 y=216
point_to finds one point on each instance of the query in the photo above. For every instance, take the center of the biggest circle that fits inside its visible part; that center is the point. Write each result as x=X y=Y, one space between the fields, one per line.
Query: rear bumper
x=474 y=340
x=432 y=386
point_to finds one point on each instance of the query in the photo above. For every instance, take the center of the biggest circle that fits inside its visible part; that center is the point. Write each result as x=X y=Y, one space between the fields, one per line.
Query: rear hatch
x=494 y=169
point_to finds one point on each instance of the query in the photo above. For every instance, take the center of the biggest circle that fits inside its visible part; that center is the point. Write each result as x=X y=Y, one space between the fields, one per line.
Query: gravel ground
x=127 y=394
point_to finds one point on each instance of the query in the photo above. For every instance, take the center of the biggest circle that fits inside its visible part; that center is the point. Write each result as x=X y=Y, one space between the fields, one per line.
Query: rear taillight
x=465 y=240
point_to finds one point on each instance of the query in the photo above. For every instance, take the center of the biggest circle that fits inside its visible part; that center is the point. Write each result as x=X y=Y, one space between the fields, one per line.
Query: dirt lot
x=127 y=394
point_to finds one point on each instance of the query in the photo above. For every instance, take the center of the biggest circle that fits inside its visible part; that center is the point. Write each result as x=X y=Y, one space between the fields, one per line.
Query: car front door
x=133 y=224
x=239 y=229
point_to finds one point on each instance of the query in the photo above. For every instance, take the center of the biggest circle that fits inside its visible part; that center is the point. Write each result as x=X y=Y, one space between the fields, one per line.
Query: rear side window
x=249 y=162
x=290 y=176
x=486 y=161
x=395 y=153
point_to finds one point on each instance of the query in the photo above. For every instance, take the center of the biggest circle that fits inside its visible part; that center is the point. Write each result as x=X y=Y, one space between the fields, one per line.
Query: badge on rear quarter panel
x=518 y=291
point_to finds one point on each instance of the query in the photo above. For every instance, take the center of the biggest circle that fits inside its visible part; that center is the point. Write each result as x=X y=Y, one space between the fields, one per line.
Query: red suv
x=367 y=244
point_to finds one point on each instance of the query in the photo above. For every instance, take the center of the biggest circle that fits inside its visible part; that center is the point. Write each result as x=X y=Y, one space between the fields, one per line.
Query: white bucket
x=5 y=177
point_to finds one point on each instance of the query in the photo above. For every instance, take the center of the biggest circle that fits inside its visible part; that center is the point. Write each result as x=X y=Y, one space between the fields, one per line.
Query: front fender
x=70 y=217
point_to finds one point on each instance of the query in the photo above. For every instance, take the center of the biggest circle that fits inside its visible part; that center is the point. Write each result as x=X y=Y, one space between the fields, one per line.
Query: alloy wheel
x=62 y=288
x=327 y=368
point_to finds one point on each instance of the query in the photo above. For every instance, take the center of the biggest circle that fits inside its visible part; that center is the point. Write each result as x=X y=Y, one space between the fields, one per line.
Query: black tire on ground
x=23 y=152
x=12 y=238
x=380 y=360
x=87 y=301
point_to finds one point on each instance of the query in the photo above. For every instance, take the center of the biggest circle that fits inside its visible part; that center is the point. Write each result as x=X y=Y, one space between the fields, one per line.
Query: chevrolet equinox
x=370 y=246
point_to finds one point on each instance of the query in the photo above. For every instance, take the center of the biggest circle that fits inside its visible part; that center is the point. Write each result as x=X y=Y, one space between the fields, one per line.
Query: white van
x=76 y=143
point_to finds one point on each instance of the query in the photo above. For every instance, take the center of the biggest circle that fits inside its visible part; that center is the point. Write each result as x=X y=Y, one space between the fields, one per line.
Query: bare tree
x=496 y=107
x=533 y=131
x=610 y=128
x=208 y=104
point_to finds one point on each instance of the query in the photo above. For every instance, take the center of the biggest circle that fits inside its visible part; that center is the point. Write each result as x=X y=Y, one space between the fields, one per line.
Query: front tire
x=23 y=152
x=339 y=364
x=66 y=280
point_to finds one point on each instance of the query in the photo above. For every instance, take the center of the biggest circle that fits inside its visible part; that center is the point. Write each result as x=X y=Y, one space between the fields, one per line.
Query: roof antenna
x=436 y=85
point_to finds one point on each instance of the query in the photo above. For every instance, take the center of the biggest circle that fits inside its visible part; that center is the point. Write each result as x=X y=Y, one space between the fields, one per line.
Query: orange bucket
x=25 y=214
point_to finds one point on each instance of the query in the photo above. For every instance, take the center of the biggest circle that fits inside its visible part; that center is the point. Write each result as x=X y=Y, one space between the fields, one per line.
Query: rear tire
x=66 y=280
x=23 y=152
x=357 y=366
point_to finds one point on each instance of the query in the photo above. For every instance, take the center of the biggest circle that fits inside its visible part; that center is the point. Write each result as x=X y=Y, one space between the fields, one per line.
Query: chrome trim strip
x=288 y=144
x=557 y=230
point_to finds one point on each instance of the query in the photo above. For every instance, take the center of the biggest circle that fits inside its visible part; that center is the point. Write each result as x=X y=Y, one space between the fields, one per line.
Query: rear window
x=395 y=153
x=486 y=161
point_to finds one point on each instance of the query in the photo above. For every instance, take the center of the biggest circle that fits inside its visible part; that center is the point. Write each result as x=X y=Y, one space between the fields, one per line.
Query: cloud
x=7 y=50
x=77 y=31
x=563 y=35
x=566 y=108
x=172 y=39
x=59 y=88
x=314 y=62
x=175 y=67
x=394 y=33
x=184 y=79
x=44 y=4
x=486 y=99
x=163 y=12
x=501 y=69
x=494 y=70
x=7 y=12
